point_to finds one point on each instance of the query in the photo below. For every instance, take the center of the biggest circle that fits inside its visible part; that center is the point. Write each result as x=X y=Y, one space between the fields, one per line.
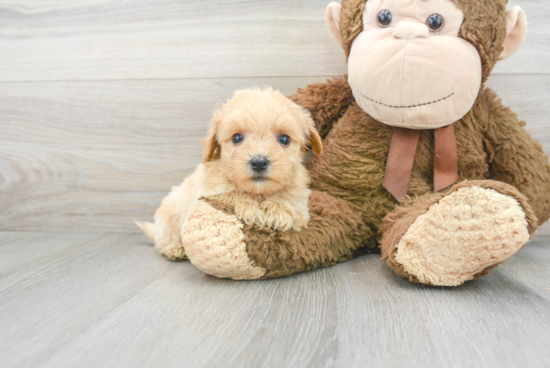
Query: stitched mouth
x=408 y=107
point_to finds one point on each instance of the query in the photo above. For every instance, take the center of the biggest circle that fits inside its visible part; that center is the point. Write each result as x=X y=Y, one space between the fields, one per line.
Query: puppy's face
x=259 y=137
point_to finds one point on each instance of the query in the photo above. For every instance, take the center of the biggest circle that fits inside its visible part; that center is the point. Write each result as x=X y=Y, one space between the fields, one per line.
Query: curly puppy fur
x=276 y=198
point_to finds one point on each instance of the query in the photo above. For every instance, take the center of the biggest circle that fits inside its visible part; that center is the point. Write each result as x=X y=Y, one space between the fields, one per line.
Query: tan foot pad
x=214 y=243
x=464 y=233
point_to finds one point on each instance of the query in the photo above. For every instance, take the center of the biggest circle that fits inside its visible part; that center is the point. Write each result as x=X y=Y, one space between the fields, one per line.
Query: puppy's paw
x=172 y=250
x=249 y=212
x=277 y=216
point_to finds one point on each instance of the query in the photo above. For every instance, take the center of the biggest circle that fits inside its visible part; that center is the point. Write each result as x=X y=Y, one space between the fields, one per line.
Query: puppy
x=252 y=161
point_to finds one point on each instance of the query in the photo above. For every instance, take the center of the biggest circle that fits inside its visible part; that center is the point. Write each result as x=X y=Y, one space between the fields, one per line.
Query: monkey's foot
x=462 y=235
x=215 y=244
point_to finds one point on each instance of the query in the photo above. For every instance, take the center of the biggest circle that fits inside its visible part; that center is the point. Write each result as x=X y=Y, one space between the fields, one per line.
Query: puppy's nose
x=259 y=163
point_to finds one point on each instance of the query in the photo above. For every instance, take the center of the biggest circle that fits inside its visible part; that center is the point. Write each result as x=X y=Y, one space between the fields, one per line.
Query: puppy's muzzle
x=258 y=164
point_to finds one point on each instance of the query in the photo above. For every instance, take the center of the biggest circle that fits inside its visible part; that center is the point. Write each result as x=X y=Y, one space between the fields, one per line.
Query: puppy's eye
x=284 y=139
x=384 y=18
x=435 y=22
x=237 y=138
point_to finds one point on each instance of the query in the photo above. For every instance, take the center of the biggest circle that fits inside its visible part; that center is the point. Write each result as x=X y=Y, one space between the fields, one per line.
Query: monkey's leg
x=446 y=240
x=220 y=245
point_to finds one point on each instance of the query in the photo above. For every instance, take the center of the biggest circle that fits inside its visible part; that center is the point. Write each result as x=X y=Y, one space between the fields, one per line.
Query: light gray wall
x=103 y=102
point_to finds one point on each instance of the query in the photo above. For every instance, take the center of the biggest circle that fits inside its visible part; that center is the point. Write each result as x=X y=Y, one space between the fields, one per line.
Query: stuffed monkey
x=422 y=161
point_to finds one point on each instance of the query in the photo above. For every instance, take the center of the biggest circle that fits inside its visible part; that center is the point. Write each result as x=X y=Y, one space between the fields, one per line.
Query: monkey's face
x=408 y=67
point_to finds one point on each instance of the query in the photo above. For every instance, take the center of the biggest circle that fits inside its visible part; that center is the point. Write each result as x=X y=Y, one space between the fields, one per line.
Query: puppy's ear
x=212 y=149
x=316 y=142
x=314 y=137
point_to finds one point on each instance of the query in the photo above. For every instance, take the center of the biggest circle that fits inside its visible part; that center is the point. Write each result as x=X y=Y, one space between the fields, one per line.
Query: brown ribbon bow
x=401 y=159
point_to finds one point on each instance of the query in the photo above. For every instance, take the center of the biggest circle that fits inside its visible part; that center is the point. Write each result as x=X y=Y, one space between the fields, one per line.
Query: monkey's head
x=421 y=64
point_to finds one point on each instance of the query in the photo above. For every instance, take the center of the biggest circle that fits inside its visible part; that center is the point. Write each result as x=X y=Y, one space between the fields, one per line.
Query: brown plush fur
x=334 y=227
x=351 y=211
x=492 y=144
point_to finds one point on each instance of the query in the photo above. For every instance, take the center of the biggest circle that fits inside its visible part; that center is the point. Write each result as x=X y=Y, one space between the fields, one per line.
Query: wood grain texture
x=102 y=106
x=85 y=148
x=95 y=155
x=98 y=155
x=166 y=39
x=109 y=300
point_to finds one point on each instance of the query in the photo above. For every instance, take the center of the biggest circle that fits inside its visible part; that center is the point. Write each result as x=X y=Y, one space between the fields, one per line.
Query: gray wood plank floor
x=109 y=300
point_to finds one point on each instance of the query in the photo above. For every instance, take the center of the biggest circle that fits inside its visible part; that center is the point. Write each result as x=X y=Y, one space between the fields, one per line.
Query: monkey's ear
x=212 y=149
x=332 y=17
x=516 y=29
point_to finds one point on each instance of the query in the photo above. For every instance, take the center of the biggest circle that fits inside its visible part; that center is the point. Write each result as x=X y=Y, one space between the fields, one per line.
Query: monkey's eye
x=384 y=18
x=237 y=138
x=284 y=139
x=435 y=22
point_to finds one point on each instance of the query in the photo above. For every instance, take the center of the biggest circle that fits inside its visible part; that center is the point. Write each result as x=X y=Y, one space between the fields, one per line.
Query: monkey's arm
x=515 y=157
x=219 y=244
x=325 y=101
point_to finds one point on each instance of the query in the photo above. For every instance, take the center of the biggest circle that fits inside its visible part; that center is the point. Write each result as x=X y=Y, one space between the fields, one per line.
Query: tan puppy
x=253 y=161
